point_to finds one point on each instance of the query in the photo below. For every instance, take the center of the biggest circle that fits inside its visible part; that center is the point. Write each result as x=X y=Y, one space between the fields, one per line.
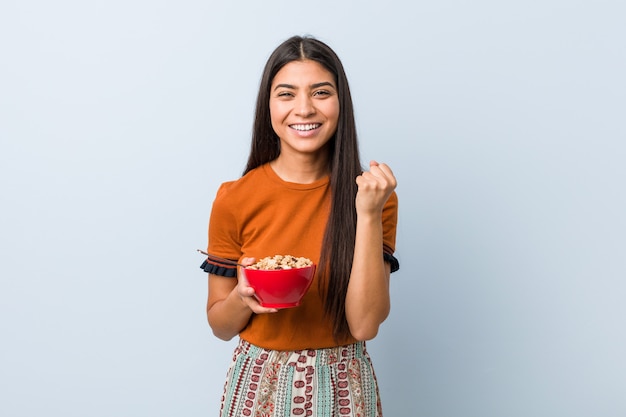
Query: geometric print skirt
x=331 y=382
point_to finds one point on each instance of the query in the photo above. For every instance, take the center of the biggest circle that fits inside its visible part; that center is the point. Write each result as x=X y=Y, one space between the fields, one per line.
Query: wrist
x=239 y=300
x=369 y=217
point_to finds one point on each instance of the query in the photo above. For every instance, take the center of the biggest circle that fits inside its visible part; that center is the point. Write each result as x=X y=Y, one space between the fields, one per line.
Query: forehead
x=303 y=73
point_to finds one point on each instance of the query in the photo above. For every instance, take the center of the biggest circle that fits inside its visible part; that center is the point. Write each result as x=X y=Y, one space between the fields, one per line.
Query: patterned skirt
x=333 y=382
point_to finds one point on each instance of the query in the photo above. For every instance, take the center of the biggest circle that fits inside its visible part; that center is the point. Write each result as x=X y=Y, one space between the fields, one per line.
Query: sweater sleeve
x=224 y=236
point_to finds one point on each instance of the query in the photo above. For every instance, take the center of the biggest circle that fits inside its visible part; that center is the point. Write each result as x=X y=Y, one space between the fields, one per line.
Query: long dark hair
x=345 y=165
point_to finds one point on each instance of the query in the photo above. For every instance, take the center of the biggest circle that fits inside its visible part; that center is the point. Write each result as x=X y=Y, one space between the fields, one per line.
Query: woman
x=304 y=193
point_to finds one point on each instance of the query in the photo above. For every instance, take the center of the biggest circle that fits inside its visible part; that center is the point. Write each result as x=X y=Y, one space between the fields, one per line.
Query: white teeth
x=304 y=128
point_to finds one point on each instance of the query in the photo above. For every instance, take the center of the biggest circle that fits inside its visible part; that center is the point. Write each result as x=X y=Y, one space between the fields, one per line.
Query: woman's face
x=304 y=106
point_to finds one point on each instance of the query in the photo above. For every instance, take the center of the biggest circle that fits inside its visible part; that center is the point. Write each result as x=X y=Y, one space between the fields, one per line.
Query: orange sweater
x=261 y=215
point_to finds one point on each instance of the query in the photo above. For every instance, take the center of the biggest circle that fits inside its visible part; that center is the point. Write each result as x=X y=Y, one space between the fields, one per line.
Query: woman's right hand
x=246 y=292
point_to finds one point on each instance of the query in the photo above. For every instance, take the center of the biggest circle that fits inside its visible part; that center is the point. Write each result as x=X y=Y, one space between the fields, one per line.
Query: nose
x=304 y=106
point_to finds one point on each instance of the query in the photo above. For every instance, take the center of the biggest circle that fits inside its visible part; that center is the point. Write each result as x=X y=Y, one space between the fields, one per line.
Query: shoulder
x=390 y=222
x=243 y=197
x=392 y=202
x=241 y=188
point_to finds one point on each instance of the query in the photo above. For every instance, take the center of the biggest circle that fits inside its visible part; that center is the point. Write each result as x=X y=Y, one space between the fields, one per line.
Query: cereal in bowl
x=277 y=262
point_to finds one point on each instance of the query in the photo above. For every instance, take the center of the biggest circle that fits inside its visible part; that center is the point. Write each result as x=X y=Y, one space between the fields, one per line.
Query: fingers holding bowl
x=247 y=293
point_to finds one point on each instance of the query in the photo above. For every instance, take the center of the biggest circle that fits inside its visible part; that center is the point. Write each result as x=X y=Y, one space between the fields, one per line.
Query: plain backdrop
x=503 y=121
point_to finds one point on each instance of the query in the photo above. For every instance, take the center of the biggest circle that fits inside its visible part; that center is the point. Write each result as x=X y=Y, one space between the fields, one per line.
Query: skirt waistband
x=321 y=357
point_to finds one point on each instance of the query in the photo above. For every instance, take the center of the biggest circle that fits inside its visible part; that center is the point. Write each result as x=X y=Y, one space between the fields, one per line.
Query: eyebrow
x=316 y=85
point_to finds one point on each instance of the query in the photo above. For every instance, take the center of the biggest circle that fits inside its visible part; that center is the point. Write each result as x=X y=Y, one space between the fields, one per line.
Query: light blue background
x=503 y=121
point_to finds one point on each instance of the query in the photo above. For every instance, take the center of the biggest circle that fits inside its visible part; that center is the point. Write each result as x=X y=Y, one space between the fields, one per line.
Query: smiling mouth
x=305 y=127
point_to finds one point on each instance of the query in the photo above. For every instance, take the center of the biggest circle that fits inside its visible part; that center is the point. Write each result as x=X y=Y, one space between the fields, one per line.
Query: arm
x=367 y=298
x=231 y=303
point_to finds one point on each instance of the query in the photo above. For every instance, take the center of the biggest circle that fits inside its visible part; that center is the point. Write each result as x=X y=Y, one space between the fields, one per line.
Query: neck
x=301 y=170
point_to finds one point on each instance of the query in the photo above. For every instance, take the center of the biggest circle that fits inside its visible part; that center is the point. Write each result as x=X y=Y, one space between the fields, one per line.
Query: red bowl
x=281 y=288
